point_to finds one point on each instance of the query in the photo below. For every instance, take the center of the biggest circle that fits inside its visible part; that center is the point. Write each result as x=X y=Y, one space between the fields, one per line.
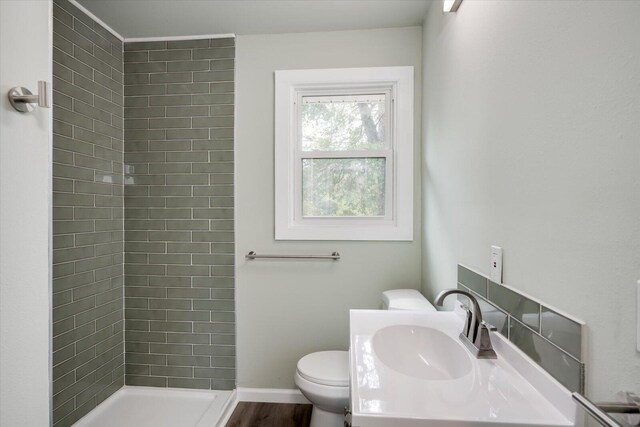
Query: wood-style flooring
x=257 y=414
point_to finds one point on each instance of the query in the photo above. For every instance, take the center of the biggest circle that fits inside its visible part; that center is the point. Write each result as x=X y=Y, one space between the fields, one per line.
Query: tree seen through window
x=339 y=186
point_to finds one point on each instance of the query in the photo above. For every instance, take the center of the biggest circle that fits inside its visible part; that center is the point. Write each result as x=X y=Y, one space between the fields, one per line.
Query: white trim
x=271 y=395
x=98 y=20
x=178 y=38
x=228 y=409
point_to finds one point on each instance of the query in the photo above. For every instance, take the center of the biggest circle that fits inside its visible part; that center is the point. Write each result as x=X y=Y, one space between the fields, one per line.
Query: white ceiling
x=168 y=18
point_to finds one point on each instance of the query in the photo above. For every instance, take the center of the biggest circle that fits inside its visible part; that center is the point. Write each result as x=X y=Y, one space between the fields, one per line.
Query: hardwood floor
x=258 y=414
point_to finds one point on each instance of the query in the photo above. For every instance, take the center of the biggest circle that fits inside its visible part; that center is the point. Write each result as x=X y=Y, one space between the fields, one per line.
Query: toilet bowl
x=323 y=377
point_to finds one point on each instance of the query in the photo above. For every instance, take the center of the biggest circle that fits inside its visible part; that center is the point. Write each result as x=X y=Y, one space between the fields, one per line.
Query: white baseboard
x=271 y=395
x=228 y=409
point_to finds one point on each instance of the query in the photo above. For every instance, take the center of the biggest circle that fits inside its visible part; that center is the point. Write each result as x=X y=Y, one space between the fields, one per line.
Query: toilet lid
x=326 y=367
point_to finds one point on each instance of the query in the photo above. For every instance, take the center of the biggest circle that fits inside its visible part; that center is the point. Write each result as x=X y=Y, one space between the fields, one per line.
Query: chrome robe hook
x=24 y=101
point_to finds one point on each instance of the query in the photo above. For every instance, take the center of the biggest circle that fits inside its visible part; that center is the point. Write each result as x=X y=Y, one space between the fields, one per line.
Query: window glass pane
x=343 y=187
x=343 y=122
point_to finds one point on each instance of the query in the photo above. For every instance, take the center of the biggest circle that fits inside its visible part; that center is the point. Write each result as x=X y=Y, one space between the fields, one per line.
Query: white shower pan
x=159 y=407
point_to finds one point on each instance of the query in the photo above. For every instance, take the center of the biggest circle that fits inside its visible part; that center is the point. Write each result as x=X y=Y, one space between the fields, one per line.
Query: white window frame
x=290 y=86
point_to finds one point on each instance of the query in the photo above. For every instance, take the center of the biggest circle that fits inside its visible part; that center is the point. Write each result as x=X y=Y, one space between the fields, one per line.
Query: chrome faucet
x=475 y=334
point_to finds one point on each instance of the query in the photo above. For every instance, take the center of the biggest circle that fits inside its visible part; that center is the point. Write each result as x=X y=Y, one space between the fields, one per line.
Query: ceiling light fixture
x=451 y=5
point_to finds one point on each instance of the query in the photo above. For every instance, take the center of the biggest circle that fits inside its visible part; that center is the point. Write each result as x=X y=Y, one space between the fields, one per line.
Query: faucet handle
x=468 y=319
x=489 y=326
x=483 y=342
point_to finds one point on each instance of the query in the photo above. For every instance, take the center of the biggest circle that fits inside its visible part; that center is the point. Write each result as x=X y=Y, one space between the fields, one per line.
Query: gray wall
x=87 y=214
x=287 y=309
x=180 y=329
x=25 y=221
x=531 y=143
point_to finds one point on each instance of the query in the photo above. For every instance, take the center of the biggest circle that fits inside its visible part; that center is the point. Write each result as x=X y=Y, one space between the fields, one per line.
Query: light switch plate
x=496 y=264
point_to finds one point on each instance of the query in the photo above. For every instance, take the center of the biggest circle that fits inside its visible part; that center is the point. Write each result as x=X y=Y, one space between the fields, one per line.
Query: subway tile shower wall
x=179 y=250
x=157 y=251
x=88 y=350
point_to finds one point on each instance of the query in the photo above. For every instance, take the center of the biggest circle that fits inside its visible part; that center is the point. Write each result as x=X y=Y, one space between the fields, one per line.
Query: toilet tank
x=405 y=299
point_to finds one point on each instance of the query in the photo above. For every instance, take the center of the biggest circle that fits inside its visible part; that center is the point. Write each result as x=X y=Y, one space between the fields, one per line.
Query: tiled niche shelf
x=550 y=338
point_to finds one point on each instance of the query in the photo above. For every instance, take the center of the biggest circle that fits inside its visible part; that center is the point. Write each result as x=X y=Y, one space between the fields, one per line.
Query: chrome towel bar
x=335 y=256
x=599 y=410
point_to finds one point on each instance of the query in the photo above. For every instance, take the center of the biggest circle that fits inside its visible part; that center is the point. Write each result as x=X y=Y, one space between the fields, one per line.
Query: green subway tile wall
x=88 y=315
x=179 y=250
x=143 y=214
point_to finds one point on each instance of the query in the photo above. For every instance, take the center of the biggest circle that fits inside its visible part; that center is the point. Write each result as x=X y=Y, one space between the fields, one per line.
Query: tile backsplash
x=551 y=339
x=519 y=307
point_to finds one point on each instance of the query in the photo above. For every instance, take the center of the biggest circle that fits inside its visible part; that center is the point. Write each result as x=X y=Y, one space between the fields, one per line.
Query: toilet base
x=322 y=418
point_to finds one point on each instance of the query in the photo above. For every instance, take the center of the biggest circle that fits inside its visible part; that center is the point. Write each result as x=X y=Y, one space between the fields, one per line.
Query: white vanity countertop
x=507 y=391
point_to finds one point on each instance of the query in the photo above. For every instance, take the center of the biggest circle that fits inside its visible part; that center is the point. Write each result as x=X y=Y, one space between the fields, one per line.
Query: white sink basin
x=409 y=369
x=421 y=352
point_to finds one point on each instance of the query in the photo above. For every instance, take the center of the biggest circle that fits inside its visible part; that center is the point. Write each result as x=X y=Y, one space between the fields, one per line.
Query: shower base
x=159 y=407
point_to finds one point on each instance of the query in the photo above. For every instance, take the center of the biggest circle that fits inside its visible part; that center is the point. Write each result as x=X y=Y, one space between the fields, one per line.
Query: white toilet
x=323 y=377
